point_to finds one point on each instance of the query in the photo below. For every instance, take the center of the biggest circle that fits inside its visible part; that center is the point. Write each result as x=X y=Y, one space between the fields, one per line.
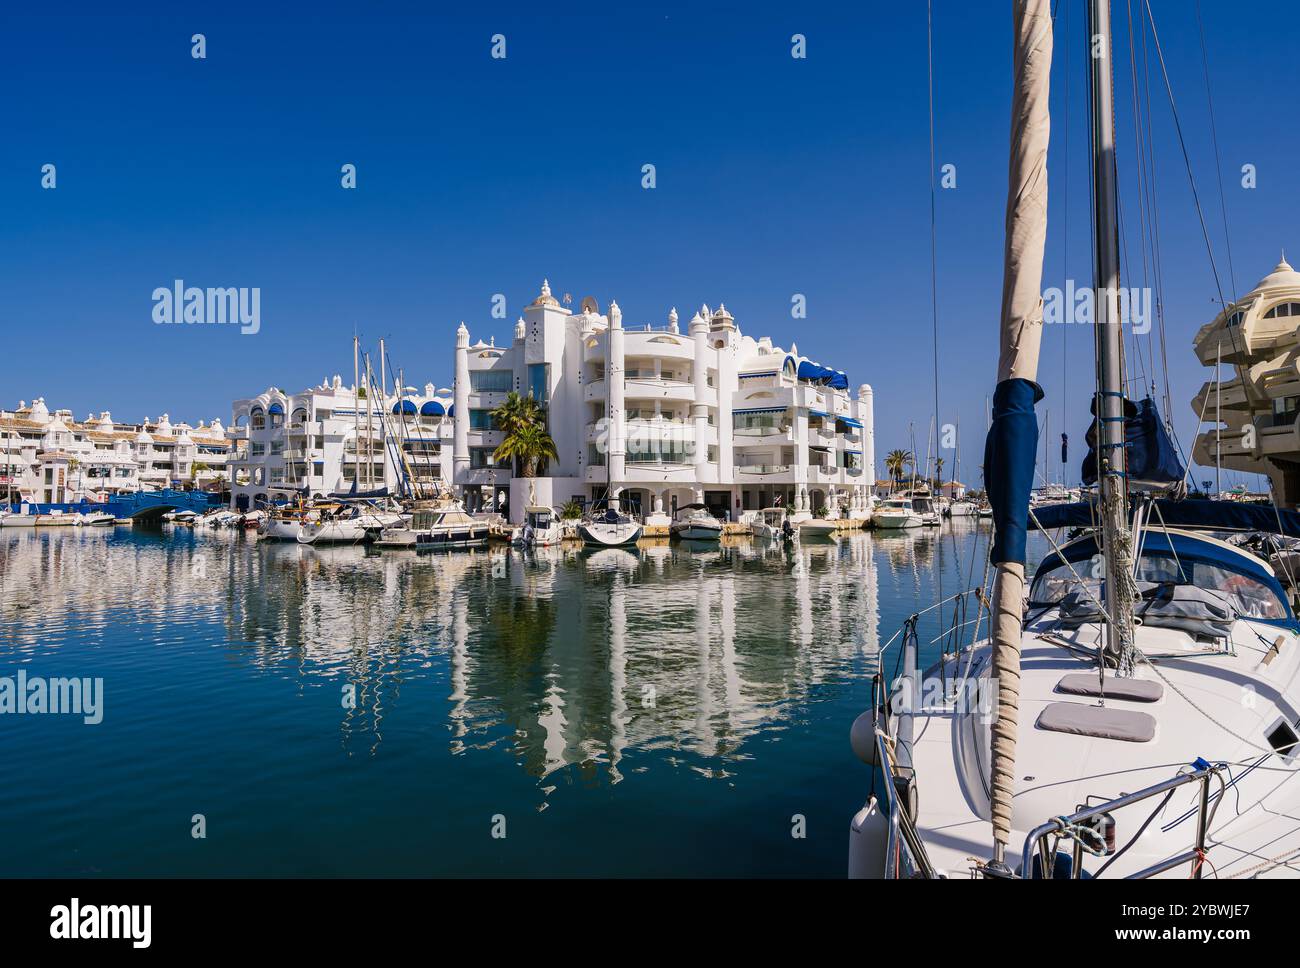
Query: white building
x=659 y=417
x=49 y=457
x=317 y=442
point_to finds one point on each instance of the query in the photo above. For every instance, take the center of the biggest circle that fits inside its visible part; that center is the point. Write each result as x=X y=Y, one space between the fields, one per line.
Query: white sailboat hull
x=602 y=533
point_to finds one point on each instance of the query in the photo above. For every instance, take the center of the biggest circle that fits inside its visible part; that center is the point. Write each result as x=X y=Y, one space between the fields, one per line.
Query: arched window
x=1236 y=318
x=1283 y=310
x=257 y=418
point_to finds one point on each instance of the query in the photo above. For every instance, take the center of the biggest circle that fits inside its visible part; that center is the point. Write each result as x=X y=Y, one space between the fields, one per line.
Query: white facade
x=50 y=458
x=316 y=442
x=660 y=418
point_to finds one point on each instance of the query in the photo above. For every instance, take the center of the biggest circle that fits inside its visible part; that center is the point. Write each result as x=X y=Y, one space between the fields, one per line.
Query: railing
x=764 y=468
x=1075 y=828
x=905 y=855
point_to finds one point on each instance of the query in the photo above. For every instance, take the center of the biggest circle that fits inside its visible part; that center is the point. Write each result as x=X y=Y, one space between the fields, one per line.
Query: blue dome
x=432 y=408
x=404 y=406
x=275 y=408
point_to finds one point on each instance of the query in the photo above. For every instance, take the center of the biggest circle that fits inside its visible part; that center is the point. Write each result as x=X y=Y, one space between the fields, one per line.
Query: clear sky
x=775 y=176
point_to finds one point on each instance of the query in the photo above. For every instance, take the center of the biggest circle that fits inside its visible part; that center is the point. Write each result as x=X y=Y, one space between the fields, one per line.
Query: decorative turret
x=615 y=315
x=672 y=320
x=462 y=336
x=723 y=319
x=519 y=328
x=698 y=324
x=545 y=298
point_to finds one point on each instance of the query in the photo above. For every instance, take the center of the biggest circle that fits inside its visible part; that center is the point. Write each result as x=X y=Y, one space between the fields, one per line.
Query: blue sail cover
x=1009 y=458
x=1190 y=513
x=1151 y=454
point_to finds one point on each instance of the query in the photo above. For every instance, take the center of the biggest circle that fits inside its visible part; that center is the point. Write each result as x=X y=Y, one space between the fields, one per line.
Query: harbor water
x=278 y=709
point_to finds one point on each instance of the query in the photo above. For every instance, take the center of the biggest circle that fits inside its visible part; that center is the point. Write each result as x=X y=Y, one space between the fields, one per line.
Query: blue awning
x=815 y=373
x=746 y=376
x=762 y=410
x=432 y=408
x=858 y=452
x=405 y=406
x=275 y=408
x=850 y=422
x=818 y=413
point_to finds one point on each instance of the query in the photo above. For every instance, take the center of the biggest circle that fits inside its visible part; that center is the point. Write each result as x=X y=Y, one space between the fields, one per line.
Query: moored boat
x=611 y=529
x=697 y=524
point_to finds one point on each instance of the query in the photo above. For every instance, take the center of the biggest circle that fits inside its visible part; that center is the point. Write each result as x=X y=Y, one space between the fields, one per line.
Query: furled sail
x=1151 y=455
x=1009 y=452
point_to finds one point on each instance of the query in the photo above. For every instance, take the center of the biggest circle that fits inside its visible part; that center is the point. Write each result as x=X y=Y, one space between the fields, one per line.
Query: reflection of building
x=663 y=416
x=49 y=457
x=322 y=439
x=1259 y=336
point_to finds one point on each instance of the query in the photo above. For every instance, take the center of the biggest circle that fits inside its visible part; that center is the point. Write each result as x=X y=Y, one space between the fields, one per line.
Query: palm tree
x=938 y=474
x=526 y=441
x=896 y=462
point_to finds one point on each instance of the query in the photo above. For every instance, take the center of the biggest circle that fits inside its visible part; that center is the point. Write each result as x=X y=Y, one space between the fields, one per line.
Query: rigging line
x=1138 y=147
x=934 y=264
x=1214 y=137
x=1153 y=199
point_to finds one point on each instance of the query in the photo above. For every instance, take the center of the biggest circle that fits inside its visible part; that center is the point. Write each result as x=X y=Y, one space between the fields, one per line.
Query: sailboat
x=1100 y=730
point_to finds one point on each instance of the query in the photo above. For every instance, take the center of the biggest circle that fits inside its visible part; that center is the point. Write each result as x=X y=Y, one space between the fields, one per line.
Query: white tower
x=460 y=419
x=615 y=388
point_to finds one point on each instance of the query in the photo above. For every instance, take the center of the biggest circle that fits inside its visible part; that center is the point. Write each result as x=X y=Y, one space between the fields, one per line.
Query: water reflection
x=555 y=657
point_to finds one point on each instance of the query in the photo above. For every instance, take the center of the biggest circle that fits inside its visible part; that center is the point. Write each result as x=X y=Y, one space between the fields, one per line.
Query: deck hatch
x=1133 y=690
x=1101 y=722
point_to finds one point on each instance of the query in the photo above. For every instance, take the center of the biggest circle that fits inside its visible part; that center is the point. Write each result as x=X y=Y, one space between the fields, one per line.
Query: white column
x=700 y=408
x=726 y=387
x=460 y=400
x=614 y=386
x=867 y=417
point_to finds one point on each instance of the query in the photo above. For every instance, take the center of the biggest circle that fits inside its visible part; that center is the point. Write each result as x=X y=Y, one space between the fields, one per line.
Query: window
x=482 y=420
x=257 y=419
x=480 y=457
x=757 y=424
x=1283 y=310
x=1285 y=411
x=1236 y=318
x=491 y=381
x=539 y=382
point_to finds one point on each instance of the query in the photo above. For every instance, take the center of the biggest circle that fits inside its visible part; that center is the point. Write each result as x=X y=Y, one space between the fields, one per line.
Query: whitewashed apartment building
x=320 y=440
x=48 y=457
x=656 y=416
x=661 y=416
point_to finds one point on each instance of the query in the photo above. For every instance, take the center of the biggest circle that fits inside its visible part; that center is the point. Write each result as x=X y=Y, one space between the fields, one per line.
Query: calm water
x=658 y=712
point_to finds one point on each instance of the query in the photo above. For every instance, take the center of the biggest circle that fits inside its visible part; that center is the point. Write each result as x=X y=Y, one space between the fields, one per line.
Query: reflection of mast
x=703 y=698
x=459 y=662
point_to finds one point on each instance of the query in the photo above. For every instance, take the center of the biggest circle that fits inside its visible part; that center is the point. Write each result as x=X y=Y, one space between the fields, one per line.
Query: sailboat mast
x=1112 y=470
x=356 y=413
x=1010 y=453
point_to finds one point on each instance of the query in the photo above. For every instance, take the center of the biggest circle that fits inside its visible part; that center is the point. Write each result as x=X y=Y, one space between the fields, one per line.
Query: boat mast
x=1218 y=425
x=1010 y=454
x=356 y=413
x=1112 y=471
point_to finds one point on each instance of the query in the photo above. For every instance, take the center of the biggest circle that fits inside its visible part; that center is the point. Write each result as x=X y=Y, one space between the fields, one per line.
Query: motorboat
x=696 y=524
x=772 y=524
x=611 y=529
x=184 y=516
x=541 y=528
x=895 y=512
x=95 y=519
x=448 y=525
x=962 y=509
x=57 y=518
x=817 y=528
x=923 y=503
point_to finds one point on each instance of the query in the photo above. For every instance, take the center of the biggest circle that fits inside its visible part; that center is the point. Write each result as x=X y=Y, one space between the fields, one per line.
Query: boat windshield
x=1250 y=596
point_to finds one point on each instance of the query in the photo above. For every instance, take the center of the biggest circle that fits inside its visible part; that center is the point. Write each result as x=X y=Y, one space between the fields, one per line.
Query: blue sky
x=477 y=176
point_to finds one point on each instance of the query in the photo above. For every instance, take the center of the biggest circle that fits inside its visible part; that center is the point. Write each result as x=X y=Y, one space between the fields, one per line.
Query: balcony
x=648 y=388
x=763 y=469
